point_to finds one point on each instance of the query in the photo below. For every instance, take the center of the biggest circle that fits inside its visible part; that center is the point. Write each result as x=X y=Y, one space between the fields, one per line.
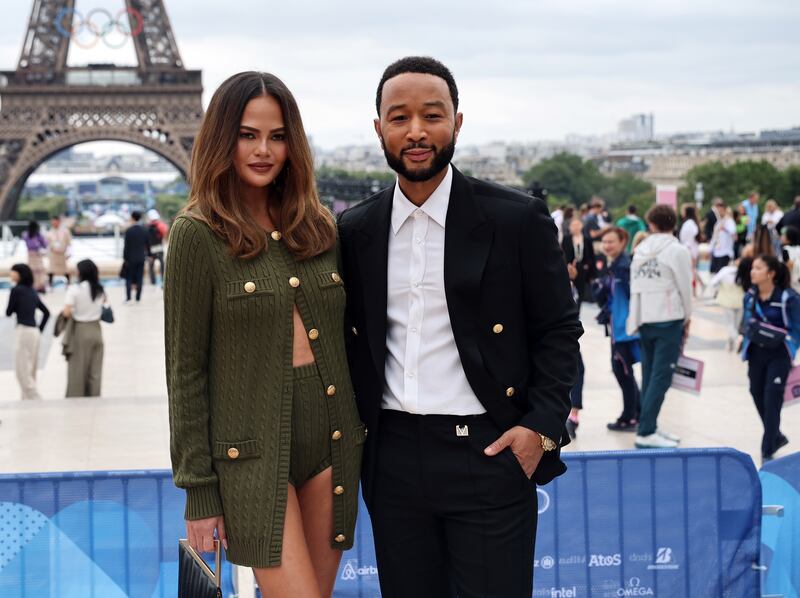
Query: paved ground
x=128 y=427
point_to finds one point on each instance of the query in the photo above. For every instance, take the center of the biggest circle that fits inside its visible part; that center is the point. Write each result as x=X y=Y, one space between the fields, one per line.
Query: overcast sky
x=526 y=69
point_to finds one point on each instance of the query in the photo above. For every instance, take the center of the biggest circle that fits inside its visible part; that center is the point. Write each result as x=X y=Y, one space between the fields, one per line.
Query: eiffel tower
x=48 y=107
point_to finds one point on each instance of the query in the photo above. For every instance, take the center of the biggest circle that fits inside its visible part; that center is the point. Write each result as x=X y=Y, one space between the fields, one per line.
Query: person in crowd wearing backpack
x=613 y=292
x=772 y=335
x=156 y=233
x=790 y=241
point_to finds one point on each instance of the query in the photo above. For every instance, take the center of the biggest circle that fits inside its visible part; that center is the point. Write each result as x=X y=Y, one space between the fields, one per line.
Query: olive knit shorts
x=311 y=450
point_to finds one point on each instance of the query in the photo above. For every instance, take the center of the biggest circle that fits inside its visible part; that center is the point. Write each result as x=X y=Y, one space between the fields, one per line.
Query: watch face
x=547 y=444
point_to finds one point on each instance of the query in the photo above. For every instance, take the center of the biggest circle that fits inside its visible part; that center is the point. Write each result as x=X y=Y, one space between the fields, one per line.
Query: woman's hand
x=67 y=311
x=200 y=533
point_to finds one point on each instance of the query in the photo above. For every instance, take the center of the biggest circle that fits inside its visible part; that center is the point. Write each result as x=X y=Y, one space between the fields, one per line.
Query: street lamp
x=698 y=196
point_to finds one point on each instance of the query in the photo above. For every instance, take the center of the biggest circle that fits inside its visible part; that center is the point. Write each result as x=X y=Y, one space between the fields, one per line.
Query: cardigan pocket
x=239 y=289
x=360 y=434
x=329 y=279
x=236 y=451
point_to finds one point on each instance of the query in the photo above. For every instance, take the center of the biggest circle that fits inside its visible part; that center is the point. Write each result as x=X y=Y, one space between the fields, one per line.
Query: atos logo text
x=605 y=560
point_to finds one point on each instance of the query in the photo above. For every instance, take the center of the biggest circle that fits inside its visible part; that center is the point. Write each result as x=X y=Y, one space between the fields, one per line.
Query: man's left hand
x=525 y=444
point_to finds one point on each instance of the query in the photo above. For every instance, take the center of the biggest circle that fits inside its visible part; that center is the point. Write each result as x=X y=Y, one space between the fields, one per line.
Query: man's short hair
x=717 y=201
x=797 y=202
x=632 y=209
x=663 y=217
x=136 y=215
x=418 y=64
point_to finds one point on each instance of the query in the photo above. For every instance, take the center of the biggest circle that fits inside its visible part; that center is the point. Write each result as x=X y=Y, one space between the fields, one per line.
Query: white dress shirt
x=423 y=369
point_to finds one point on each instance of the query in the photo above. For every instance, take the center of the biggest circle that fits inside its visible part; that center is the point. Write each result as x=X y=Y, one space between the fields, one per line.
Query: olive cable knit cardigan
x=229 y=335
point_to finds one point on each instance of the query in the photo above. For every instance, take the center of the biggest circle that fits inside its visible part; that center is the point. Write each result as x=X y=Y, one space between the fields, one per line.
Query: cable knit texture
x=229 y=331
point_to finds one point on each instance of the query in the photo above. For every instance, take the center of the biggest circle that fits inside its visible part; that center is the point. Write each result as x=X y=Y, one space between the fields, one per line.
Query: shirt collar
x=435 y=206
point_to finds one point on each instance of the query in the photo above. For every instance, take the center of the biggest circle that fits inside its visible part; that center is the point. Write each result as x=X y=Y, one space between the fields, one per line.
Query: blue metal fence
x=646 y=523
x=780 y=550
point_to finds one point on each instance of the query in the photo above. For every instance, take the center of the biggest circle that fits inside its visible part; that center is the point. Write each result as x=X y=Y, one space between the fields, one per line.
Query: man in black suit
x=463 y=346
x=134 y=255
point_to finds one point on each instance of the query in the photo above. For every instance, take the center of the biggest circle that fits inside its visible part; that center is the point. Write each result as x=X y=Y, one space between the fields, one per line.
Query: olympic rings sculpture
x=87 y=23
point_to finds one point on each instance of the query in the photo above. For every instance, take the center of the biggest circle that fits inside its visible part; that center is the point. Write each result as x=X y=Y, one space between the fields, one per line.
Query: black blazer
x=587 y=267
x=502 y=264
x=136 y=245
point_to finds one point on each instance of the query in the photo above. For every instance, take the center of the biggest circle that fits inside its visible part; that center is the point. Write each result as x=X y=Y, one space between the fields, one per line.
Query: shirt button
x=249 y=287
x=294 y=282
x=497 y=328
x=410 y=374
x=338 y=490
x=416 y=284
x=331 y=390
x=336 y=435
x=313 y=334
x=510 y=391
x=355 y=331
x=340 y=538
x=233 y=452
x=414 y=330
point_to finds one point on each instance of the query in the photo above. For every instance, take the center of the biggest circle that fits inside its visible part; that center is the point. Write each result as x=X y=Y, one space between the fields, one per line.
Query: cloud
x=527 y=69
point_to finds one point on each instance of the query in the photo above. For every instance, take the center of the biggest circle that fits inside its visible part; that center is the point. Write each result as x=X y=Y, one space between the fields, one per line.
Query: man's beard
x=441 y=158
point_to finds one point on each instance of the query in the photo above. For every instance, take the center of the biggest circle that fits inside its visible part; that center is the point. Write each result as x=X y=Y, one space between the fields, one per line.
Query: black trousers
x=158 y=256
x=718 y=263
x=135 y=277
x=768 y=370
x=576 y=392
x=622 y=360
x=448 y=520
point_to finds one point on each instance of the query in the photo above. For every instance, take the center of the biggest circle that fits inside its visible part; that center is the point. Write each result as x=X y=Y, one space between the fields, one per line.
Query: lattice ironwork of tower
x=47 y=106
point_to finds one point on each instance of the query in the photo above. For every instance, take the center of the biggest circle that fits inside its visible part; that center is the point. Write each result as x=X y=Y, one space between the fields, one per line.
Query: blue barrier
x=646 y=523
x=780 y=536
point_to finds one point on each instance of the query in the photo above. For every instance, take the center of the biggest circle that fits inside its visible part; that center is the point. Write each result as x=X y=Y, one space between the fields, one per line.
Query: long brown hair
x=307 y=227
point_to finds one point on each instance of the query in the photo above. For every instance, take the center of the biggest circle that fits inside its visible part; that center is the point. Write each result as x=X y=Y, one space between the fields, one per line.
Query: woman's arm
x=45 y=313
x=188 y=293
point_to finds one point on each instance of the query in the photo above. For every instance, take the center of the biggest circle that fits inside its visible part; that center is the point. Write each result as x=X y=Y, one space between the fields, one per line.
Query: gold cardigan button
x=249 y=287
x=338 y=490
x=294 y=282
x=233 y=452
x=340 y=538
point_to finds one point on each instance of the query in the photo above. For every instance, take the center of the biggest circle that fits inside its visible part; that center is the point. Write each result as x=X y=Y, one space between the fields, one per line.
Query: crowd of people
x=643 y=275
x=85 y=302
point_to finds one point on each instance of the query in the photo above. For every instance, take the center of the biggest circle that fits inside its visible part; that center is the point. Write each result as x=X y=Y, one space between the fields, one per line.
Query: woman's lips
x=261 y=168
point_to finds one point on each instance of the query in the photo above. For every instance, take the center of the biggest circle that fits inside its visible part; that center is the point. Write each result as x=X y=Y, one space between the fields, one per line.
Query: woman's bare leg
x=316 y=507
x=295 y=576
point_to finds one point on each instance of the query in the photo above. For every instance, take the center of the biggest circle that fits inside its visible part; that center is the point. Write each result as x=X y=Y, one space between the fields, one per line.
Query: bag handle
x=216 y=575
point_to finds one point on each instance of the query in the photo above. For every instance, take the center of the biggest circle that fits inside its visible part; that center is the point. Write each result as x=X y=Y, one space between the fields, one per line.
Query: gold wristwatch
x=547 y=444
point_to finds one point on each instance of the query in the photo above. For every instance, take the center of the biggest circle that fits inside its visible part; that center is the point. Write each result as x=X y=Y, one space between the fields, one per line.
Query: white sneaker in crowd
x=655 y=440
x=668 y=436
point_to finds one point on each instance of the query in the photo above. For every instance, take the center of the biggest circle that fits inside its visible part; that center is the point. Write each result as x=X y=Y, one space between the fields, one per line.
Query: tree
x=567 y=176
x=620 y=188
x=735 y=182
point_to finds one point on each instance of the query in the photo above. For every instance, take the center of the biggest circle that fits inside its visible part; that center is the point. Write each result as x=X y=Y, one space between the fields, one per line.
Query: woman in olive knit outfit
x=265 y=435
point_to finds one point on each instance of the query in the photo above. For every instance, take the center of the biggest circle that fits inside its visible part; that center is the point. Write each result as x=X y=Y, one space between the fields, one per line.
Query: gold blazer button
x=510 y=391
x=497 y=328
x=249 y=287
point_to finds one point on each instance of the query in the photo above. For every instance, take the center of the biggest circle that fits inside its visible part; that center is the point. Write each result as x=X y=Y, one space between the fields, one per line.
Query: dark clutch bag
x=195 y=578
x=123 y=272
x=107 y=315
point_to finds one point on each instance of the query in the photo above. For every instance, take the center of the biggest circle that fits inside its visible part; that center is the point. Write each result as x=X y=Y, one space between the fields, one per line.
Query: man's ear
x=377 y=124
x=459 y=122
